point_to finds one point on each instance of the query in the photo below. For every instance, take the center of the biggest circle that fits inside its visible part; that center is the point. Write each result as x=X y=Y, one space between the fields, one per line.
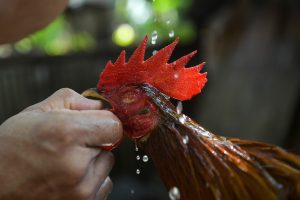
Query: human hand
x=50 y=150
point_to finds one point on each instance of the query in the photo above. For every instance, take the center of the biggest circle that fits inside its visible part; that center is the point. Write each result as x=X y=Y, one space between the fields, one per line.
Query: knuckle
x=64 y=138
x=59 y=128
x=72 y=171
x=65 y=92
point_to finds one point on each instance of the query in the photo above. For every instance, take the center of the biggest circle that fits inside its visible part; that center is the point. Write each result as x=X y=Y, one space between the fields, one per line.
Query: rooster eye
x=143 y=111
x=128 y=98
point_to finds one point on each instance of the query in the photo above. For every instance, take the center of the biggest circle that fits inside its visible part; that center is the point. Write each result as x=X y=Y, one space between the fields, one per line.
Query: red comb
x=172 y=79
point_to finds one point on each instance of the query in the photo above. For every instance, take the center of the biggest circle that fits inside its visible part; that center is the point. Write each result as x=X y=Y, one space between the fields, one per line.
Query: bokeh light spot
x=124 y=35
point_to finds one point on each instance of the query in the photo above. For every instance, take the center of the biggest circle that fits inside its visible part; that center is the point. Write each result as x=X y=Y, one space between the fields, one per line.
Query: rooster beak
x=93 y=93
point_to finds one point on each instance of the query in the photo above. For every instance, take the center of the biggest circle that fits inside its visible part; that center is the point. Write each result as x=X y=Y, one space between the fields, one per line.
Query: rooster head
x=121 y=84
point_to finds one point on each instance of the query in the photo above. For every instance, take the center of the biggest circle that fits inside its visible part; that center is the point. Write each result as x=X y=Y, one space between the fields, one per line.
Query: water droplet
x=171 y=34
x=168 y=21
x=154 y=37
x=174 y=193
x=182 y=119
x=179 y=107
x=176 y=76
x=132 y=191
x=185 y=139
x=154 y=52
x=145 y=158
x=136 y=147
x=138 y=157
x=138 y=171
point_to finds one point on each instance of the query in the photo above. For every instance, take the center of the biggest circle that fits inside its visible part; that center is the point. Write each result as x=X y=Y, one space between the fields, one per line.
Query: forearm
x=19 y=18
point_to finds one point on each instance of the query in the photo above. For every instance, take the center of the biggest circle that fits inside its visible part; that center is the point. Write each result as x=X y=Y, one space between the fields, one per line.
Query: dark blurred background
x=252 y=50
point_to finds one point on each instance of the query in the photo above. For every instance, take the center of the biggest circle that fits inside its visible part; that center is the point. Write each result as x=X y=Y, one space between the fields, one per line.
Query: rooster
x=200 y=164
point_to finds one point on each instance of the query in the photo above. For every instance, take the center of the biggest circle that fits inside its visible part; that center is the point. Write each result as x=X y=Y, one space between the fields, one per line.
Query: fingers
x=92 y=128
x=96 y=181
x=105 y=129
x=66 y=99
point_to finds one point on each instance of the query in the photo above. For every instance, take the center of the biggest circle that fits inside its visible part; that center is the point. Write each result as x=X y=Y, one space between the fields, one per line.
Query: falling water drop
x=136 y=147
x=154 y=52
x=145 y=158
x=179 y=107
x=182 y=119
x=185 y=139
x=154 y=37
x=171 y=34
x=132 y=191
x=138 y=171
x=174 y=193
x=138 y=157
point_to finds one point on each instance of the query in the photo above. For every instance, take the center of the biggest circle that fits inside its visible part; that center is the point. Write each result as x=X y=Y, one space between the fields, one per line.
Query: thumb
x=91 y=128
x=66 y=98
x=104 y=129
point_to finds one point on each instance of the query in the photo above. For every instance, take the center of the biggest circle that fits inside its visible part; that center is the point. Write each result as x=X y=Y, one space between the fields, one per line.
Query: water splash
x=154 y=37
x=214 y=140
x=138 y=171
x=179 y=107
x=136 y=147
x=174 y=193
x=171 y=33
x=182 y=119
x=138 y=157
x=145 y=158
x=185 y=139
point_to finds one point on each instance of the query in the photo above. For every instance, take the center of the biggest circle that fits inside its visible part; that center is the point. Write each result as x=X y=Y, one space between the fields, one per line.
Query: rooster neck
x=211 y=167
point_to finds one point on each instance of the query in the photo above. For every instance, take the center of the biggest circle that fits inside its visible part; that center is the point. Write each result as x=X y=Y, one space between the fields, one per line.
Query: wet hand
x=51 y=150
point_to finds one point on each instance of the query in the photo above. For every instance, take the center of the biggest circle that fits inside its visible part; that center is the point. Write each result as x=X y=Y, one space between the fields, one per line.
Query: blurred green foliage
x=163 y=16
x=134 y=19
x=58 y=38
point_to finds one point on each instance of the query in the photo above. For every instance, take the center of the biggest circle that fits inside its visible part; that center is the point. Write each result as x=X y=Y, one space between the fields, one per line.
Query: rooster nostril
x=143 y=111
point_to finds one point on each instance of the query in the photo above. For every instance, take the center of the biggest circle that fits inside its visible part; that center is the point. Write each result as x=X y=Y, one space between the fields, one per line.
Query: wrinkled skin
x=139 y=115
x=50 y=150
